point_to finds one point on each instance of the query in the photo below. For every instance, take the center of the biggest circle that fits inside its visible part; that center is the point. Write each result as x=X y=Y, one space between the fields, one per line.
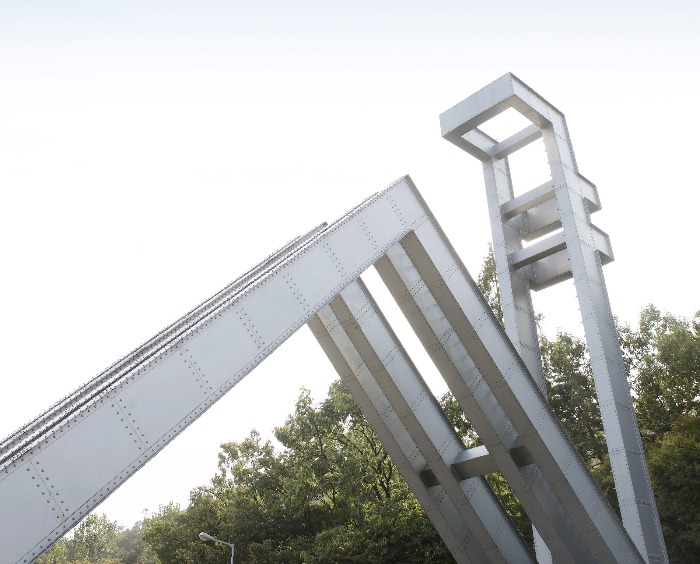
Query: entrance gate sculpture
x=58 y=468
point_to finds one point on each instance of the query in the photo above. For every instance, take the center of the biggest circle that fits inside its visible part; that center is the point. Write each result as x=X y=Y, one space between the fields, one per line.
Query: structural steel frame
x=556 y=215
x=59 y=467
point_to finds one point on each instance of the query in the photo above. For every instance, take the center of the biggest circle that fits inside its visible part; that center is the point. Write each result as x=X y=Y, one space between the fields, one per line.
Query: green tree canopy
x=331 y=494
x=97 y=540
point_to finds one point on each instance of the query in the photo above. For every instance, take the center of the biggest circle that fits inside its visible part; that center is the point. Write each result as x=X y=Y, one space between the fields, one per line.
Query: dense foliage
x=330 y=495
x=329 y=492
x=97 y=539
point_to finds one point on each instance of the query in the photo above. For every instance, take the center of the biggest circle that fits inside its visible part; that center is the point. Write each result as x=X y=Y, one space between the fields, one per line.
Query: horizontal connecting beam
x=515 y=142
x=476 y=461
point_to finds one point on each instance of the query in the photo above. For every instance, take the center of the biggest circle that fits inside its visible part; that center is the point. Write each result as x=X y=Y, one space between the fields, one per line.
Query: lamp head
x=205 y=537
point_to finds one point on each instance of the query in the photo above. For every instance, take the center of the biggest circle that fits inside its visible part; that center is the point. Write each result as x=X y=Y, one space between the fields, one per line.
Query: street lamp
x=207 y=537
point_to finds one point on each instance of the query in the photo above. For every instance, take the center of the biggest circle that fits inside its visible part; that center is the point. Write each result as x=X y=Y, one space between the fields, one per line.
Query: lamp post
x=207 y=537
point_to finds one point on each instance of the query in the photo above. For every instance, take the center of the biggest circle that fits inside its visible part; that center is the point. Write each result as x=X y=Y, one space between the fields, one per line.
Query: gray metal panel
x=29 y=505
x=548 y=271
x=222 y=350
x=539 y=221
x=175 y=382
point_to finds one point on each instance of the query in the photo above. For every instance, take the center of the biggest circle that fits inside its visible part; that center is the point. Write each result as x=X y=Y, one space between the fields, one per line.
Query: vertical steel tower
x=556 y=215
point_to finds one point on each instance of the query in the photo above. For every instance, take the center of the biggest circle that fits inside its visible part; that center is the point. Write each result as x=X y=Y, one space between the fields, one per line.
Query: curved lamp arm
x=206 y=537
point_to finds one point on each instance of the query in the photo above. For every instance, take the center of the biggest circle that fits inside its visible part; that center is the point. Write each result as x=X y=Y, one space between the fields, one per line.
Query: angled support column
x=413 y=429
x=398 y=443
x=501 y=399
x=579 y=250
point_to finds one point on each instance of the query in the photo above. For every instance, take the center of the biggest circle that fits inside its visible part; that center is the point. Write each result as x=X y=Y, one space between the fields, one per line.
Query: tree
x=665 y=355
x=487 y=282
x=132 y=549
x=674 y=465
x=57 y=554
x=664 y=359
x=331 y=494
x=172 y=534
x=94 y=540
x=571 y=393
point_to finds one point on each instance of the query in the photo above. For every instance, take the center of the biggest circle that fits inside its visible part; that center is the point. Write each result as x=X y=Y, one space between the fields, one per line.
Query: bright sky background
x=152 y=151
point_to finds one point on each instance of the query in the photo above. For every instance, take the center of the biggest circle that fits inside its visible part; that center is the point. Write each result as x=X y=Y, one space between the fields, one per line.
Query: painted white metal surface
x=501 y=400
x=80 y=451
x=579 y=250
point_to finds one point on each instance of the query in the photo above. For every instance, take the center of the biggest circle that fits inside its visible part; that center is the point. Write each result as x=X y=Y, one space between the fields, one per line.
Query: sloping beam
x=64 y=464
x=501 y=399
x=376 y=358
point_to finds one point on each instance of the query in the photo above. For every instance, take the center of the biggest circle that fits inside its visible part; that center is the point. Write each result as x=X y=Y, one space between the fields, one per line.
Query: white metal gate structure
x=67 y=461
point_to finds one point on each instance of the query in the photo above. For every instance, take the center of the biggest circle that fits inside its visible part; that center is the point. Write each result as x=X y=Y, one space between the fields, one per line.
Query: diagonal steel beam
x=498 y=395
x=375 y=355
x=398 y=443
x=496 y=431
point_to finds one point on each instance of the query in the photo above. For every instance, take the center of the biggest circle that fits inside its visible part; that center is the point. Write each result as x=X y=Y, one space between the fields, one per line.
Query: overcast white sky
x=152 y=151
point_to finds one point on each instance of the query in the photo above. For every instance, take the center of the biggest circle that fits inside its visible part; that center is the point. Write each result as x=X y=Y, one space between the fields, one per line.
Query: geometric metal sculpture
x=59 y=467
x=577 y=250
x=492 y=386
